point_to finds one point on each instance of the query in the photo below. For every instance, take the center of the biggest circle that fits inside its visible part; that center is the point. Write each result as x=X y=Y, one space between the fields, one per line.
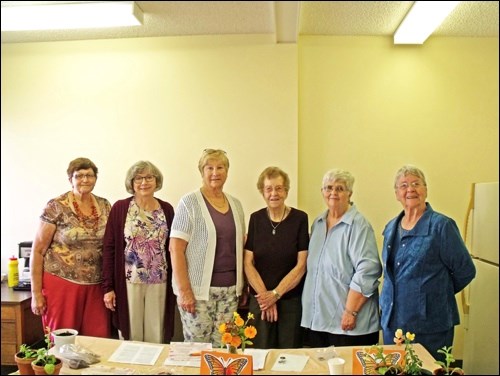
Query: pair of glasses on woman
x=148 y=178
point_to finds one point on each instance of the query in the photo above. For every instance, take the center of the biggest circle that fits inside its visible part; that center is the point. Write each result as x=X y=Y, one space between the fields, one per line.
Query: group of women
x=142 y=260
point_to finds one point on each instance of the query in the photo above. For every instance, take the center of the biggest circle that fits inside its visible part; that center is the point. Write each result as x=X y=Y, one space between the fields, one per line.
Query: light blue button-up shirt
x=345 y=257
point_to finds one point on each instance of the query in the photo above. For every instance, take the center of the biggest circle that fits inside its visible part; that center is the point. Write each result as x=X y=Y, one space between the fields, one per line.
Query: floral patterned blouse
x=145 y=235
x=75 y=252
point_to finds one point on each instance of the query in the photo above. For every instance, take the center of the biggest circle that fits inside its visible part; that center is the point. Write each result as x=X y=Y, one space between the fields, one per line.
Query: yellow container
x=13 y=275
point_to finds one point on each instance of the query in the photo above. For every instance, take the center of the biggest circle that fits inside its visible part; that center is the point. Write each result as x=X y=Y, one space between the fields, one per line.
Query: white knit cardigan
x=193 y=223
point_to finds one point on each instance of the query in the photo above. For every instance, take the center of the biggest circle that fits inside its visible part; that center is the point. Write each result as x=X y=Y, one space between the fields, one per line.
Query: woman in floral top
x=136 y=265
x=66 y=257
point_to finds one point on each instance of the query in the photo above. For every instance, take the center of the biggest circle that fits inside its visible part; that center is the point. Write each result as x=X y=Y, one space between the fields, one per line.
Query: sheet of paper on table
x=289 y=362
x=187 y=354
x=259 y=357
x=136 y=353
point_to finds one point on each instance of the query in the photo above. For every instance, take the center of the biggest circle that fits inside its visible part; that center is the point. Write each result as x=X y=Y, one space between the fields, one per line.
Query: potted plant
x=46 y=363
x=446 y=368
x=23 y=358
x=412 y=365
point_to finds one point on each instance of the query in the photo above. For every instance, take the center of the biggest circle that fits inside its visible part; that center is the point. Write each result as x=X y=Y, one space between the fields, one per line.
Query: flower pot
x=63 y=337
x=442 y=371
x=40 y=370
x=24 y=365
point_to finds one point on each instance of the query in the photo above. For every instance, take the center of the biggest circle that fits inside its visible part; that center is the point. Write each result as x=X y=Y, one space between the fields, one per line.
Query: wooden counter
x=19 y=324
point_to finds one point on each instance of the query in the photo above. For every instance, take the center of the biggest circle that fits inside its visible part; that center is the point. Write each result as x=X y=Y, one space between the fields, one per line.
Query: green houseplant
x=446 y=368
x=46 y=363
x=412 y=365
x=23 y=359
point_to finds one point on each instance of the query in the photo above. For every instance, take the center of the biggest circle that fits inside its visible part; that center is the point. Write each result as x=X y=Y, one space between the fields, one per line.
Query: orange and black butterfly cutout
x=219 y=366
x=370 y=365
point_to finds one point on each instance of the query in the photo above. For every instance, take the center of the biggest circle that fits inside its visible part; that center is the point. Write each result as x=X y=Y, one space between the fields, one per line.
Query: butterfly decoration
x=219 y=366
x=370 y=364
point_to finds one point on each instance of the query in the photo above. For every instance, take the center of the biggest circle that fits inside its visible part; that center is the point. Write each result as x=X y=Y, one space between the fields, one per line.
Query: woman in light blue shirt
x=340 y=297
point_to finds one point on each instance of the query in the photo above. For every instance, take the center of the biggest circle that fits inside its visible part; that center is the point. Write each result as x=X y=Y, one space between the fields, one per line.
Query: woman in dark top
x=275 y=264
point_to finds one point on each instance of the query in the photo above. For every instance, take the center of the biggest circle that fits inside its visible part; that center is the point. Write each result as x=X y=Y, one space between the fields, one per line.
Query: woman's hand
x=266 y=300
x=270 y=314
x=348 y=321
x=110 y=300
x=186 y=301
x=38 y=304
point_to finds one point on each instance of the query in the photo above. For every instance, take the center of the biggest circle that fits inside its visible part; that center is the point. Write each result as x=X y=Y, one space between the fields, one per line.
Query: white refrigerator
x=481 y=297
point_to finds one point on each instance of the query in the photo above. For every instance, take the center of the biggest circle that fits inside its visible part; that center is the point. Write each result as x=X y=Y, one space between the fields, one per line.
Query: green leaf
x=49 y=368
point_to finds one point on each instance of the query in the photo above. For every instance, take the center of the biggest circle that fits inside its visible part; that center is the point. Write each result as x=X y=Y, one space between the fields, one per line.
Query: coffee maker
x=25 y=252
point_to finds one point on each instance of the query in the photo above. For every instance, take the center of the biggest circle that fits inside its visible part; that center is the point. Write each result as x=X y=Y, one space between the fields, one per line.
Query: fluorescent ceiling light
x=422 y=19
x=74 y=15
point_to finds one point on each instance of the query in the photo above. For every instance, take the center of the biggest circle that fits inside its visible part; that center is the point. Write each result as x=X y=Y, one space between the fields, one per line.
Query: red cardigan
x=114 y=268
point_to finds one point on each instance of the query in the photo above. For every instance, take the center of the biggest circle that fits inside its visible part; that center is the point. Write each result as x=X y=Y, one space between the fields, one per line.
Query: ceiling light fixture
x=74 y=15
x=422 y=19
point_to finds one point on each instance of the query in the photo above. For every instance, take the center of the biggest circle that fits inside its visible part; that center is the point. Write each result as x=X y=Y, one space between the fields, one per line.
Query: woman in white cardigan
x=206 y=246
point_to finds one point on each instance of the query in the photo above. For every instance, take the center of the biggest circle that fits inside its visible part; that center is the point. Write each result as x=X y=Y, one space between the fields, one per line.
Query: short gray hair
x=409 y=170
x=339 y=175
x=138 y=168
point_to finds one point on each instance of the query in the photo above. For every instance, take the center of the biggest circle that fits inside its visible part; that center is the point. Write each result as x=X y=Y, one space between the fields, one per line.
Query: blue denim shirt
x=430 y=267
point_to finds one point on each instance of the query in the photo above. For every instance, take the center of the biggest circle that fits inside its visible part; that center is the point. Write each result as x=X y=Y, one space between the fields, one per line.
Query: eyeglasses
x=277 y=189
x=213 y=151
x=413 y=184
x=336 y=188
x=138 y=179
x=83 y=176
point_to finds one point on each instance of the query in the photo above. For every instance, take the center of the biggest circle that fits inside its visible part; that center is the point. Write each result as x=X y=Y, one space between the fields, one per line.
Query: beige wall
x=160 y=99
x=369 y=107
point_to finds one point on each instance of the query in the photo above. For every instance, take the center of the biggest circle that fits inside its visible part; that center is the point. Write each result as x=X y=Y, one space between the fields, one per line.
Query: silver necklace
x=271 y=221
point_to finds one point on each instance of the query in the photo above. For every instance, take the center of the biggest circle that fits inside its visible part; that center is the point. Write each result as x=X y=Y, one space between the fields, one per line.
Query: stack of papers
x=187 y=354
x=136 y=353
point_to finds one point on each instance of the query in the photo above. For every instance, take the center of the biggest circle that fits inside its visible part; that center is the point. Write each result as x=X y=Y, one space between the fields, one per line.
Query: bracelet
x=277 y=295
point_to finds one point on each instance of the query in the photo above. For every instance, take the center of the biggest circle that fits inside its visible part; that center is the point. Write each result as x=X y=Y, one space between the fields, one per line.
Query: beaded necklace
x=89 y=222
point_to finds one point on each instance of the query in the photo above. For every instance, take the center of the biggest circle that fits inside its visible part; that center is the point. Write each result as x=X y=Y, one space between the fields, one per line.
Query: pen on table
x=195 y=354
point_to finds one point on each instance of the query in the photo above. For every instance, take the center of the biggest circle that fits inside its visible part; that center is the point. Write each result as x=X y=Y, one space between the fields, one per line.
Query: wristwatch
x=276 y=294
x=354 y=313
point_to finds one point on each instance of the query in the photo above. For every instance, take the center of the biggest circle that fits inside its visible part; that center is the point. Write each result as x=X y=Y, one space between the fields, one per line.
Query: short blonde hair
x=217 y=154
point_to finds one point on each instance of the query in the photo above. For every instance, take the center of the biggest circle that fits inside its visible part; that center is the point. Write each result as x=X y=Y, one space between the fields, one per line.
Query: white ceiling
x=283 y=20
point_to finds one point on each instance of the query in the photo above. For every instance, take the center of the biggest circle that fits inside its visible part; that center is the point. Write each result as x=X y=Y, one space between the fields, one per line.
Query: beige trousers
x=146 y=307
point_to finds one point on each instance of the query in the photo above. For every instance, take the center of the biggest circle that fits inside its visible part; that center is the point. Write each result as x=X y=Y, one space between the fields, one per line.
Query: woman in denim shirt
x=425 y=264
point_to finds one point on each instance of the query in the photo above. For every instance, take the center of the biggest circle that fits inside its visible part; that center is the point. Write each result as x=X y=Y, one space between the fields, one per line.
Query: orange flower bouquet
x=237 y=332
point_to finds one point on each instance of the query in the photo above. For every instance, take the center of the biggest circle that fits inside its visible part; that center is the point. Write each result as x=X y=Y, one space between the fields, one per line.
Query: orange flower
x=227 y=338
x=239 y=321
x=236 y=332
x=236 y=341
x=250 y=331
